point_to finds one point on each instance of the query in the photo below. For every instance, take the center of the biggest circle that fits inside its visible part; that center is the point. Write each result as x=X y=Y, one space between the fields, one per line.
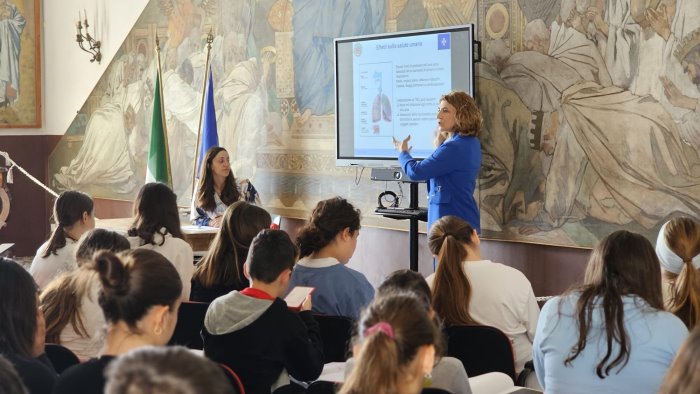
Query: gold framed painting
x=20 y=64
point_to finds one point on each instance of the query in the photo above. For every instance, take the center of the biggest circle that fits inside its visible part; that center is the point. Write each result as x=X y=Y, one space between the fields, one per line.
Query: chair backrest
x=433 y=390
x=60 y=356
x=233 y=379
x=336 y=332
x=481 y=349
x=322 y=387
x=190 y=321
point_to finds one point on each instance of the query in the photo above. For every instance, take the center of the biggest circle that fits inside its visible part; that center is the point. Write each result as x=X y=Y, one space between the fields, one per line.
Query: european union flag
x=210 y=136
x=443 y=41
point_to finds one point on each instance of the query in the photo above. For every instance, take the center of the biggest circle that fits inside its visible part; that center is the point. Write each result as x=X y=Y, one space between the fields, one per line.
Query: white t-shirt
x=502 y=297
x=44 y=269
x=177 y=251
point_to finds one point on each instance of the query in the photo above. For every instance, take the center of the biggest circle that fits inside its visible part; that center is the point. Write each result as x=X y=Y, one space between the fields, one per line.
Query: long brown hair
x=62 y=298
x=683 y=238
x=67 y=210
x=468 y=119
x=452 y=291
x=205 y=190
x=223 y=263
x=683 y=376
x=155 y=208
x=622 y=264
x=383 y=358
x=328 y=218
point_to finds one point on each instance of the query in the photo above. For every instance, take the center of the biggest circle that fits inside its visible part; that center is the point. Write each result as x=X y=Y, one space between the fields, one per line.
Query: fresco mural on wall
x=581 y=136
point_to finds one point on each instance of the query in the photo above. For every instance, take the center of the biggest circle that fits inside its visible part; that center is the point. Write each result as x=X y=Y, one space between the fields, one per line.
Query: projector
x=388 y=174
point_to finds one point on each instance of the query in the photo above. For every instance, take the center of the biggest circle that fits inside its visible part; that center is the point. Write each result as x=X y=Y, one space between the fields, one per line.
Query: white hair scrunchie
x=670 y=261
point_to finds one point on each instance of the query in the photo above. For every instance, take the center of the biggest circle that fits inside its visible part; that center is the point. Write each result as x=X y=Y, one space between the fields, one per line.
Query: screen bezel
x=378 y=162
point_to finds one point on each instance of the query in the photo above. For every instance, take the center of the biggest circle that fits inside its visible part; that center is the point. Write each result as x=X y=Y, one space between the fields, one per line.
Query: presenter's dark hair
x=205 y=189
x=99 y=239
x=223 y=264
x=170 y=369
x=683 y=238
x=452 y=290
x=271 y=253
x=328 y=218
x=18 y=309
x=134 y=283
x=622 y=264
x=67 y=210
x=155 y=208
x=468 y=118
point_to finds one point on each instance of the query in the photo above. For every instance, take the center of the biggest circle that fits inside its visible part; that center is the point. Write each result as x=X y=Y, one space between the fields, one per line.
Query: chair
x=433 y=390
x=233 y=379
x=190 y=321
x=336 y=332
x=60 y=356
x=322 y=387
x=481 y=349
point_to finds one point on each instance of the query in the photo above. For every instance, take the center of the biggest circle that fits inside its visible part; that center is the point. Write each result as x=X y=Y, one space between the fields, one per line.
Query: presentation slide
x=399 y=81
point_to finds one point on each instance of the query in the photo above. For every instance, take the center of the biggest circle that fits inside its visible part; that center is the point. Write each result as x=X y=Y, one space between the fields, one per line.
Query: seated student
x=69 y=302
x=448 y=373
x=327 y=243
x=683 y=376
x=611 y=334
x=140 y=297
x=253 y=332
x=221 y=269
x=216 y=189
x=73 y=214
x=22 y=328
x=157 y=227
x=395 y=347
x=678 y=248
x=171 y=369
x=11 y=382
x=470 y=290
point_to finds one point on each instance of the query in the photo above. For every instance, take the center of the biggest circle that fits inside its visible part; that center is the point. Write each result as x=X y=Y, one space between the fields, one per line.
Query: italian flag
x=158 y=156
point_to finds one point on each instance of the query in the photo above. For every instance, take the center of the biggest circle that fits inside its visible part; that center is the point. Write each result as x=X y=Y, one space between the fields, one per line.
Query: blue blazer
x=451 y=171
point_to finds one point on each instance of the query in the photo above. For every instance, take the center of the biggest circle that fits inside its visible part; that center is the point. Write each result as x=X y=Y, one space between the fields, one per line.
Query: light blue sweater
x=654 y=339
x=340 y=291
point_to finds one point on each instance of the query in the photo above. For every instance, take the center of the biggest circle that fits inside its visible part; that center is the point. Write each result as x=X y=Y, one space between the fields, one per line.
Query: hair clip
x=381 y=326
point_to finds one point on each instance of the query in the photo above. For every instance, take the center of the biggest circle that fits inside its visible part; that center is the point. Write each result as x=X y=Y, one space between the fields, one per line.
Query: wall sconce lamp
x=93 y=46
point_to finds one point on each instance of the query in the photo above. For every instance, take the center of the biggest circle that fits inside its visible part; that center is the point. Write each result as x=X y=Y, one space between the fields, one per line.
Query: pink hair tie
x=381 y=326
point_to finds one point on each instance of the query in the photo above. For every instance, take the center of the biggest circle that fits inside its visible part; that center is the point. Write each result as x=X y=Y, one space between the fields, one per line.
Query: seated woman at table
x=221 y=269
x=156 y=226
x=216 y=189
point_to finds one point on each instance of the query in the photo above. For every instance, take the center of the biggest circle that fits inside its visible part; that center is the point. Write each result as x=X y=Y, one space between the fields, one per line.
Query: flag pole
x=162 y=111
x=210 y=40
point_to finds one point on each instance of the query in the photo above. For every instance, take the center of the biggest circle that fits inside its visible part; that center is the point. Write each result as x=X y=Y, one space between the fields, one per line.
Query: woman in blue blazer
x=451 y=170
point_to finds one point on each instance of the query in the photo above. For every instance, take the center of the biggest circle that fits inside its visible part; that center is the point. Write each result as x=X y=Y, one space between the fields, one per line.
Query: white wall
x=68 y=76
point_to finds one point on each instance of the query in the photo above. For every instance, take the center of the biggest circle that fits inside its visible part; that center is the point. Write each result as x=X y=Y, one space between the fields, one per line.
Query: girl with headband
x=678 y=248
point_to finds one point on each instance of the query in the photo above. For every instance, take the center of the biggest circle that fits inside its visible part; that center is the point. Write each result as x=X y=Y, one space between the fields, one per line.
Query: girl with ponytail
x=470 y=290
x=609 y=334
x=678 y=248
x=327 y=242
x=140 y=297
x=395 y=347
x=73 y=215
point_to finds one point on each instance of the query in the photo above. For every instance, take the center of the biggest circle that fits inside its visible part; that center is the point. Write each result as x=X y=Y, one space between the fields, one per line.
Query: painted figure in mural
x=316 y=24
x=11 y=27
x=592 y=174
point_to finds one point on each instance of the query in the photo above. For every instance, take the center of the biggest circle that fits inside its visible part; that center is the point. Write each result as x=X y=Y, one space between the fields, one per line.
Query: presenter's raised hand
x=402 y=146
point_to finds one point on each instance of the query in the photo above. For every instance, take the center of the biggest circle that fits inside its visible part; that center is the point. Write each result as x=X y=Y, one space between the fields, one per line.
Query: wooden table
x=198 y=237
